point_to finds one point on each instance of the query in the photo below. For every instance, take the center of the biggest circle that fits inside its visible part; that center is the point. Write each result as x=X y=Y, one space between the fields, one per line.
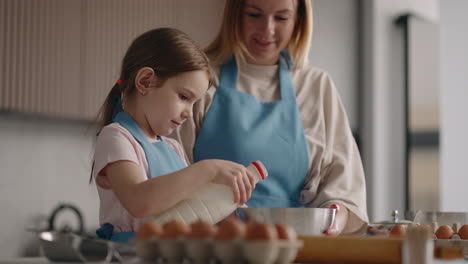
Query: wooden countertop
x=43 y=260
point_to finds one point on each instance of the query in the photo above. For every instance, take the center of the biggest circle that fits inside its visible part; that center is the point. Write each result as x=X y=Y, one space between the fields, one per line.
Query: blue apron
x=239 y=128
x=161 y=158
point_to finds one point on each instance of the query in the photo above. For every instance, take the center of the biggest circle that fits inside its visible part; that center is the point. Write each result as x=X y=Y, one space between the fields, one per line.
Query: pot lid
x=395 y=220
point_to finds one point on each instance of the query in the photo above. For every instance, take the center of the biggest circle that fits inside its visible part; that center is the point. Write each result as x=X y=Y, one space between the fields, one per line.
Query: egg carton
x=227 y=252
x=455 y=240
x=455 y=228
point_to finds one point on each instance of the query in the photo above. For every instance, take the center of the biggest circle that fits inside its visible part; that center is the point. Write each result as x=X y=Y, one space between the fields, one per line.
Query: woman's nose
x=268 y=25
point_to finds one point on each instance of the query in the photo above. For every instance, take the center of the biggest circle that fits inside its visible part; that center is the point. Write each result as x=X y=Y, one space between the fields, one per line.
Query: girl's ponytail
x=112 y=105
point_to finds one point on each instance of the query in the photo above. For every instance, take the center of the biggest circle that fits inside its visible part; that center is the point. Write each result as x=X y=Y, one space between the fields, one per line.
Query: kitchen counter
x=43 y=260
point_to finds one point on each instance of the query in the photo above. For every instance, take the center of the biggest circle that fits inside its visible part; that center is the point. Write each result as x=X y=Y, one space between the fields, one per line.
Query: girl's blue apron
x=161 y=158
x=239 y=128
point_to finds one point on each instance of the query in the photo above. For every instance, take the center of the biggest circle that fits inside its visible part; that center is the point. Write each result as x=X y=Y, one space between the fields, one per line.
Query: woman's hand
x=234 y=175
x=341 y=217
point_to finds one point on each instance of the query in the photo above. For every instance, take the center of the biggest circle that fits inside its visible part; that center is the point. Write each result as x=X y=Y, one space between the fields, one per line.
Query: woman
x=269 y=105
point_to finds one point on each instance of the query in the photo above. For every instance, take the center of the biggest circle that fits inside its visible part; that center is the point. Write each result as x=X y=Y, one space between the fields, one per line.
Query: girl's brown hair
x=229 y=42
x=167 y=51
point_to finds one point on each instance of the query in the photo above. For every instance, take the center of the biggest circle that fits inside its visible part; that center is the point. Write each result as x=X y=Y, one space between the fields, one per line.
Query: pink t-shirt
x=115 y=143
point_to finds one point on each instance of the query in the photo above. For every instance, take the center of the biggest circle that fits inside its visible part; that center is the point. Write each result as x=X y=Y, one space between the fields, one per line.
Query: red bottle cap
x=259 y=168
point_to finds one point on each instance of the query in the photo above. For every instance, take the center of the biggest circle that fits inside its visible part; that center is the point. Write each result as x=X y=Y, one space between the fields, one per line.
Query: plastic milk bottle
x=212 y=203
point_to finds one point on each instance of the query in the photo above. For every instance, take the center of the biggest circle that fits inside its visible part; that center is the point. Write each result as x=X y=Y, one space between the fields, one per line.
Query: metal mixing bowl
x=306 y=221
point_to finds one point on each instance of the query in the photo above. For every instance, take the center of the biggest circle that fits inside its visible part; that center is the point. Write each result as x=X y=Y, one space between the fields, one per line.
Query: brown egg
x=463 y=232
x=285 y=232
x=230 y=228
x=148 y=230
x=398 y=231
x=444 y=232
x=201 y=229
x=174 y=229
x=261 y=231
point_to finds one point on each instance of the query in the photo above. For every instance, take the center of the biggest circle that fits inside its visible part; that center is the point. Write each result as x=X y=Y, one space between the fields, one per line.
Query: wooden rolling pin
x=350 y=249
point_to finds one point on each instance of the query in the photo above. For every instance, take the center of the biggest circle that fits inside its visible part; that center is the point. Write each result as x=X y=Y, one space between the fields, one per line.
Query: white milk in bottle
x=212 y=203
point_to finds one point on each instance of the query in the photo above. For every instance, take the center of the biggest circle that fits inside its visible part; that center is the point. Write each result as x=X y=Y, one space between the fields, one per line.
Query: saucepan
x=69 y=247
x=305 y=221
x=382 y=228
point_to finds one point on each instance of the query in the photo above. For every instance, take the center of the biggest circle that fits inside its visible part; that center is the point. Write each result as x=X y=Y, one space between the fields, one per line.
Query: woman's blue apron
x=161 y=158
x=239 y=128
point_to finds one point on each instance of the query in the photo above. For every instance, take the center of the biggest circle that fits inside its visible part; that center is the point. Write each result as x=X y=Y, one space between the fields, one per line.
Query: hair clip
x=119 y=82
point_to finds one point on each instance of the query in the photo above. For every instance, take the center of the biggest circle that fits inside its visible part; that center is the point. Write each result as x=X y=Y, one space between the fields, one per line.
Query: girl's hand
x=234 y=175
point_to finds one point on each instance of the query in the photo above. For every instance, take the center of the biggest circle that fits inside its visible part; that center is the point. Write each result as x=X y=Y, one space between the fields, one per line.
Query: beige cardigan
x=335 y=168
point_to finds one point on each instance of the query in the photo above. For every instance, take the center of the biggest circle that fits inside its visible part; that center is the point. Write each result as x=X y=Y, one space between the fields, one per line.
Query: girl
x=138 y=171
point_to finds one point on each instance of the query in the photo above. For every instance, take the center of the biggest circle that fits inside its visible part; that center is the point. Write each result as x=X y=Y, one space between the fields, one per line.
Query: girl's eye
x=183 y=97
x=281 y=18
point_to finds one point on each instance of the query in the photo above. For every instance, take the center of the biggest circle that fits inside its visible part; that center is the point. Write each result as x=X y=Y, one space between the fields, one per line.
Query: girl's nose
x=188 y=112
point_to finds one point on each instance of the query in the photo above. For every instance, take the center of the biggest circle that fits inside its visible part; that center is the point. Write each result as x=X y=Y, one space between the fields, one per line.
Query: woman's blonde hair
x=229 y=41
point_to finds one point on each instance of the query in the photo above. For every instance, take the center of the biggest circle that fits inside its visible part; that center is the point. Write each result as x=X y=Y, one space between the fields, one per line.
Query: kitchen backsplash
x=43 y=163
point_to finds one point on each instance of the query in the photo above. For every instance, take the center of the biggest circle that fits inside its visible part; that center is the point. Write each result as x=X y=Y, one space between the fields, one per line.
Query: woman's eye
x=281 y=18
x=254 y=15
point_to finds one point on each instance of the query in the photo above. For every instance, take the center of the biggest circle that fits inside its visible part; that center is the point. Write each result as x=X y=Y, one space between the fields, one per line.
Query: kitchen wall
x=383 y=146
x=454 y=97
x=45 y=161
x=383 y=105
x=335 y=48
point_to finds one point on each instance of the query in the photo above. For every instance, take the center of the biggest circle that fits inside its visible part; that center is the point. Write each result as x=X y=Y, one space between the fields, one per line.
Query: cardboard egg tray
x=452 y=248
x=454 y=239
x=230 y=251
